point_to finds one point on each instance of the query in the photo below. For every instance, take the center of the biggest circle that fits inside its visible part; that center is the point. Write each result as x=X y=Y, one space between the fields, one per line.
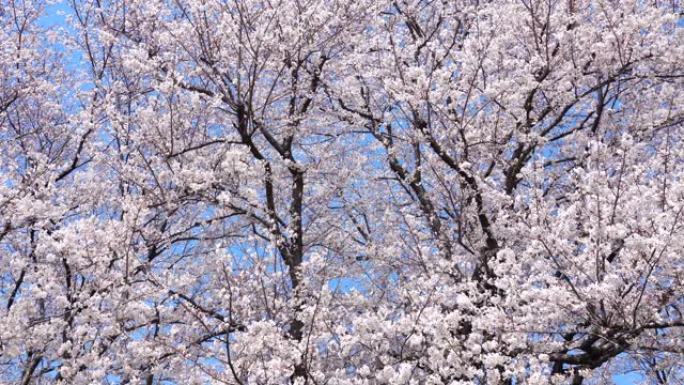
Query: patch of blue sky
x=345 y=284
x=630 y=378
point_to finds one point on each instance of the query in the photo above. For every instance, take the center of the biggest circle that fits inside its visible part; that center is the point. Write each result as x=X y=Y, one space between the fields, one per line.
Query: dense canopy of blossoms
x=334 y=192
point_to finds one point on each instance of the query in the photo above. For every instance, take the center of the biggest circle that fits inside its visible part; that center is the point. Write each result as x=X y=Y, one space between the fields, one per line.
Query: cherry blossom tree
x=334 y=192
